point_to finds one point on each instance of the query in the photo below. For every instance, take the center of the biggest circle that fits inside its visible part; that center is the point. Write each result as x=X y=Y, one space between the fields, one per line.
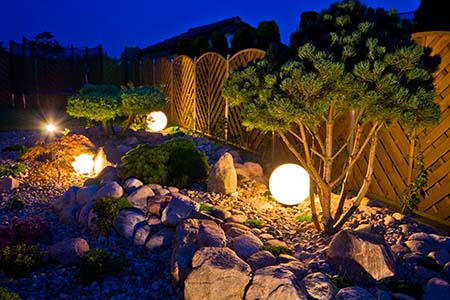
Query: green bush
x=12 y=170
x=275 y=250
x=19 y=260
x=106 y=209
x=175 y=162
x=7 y=295
x=95 y=264
x=253 y=223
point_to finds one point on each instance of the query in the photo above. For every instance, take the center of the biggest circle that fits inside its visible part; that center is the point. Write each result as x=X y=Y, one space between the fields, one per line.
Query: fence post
x=227 y=74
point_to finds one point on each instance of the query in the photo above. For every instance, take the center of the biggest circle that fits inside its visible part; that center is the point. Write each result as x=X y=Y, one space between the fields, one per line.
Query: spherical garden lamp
x=289 y=184
x=50 y=128
x=156 y=121
x=83 y=164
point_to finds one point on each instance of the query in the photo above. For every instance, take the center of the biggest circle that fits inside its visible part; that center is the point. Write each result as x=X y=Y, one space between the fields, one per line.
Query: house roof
x=168 y=47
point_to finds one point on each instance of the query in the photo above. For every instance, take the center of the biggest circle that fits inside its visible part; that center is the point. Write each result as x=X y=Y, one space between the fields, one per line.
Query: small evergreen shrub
x=275 y=250
x=15 y=202
x=175 y=162
x=7 y=295
x=106 y=209
x=19 y=260
x=95 y=264
x=13 y=170
x=253 y=223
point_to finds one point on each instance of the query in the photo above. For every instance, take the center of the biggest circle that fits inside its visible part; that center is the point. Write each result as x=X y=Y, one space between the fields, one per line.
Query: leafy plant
x=351 y=61
x=19 y=260
x=95 y=103
x=254 y=223
x=275 y=250
x=303 y=218
x=7 y=295
x=175 y=162
x=205 y=207
x=15 y=202
x=12 y=170
x=96 y=264
x=106 y=209
x=137 y=102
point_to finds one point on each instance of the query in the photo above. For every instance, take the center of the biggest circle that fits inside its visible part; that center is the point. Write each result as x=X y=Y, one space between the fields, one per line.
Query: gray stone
x=68 y=252
x=261 y=259
x=141 y=233
x=362 y=257
x=222 y=177
x=220 y=213
x=125 y=222
x=238 y=218
x=86 y=194
x=160 y=240
x=179 y=208
x=217 y=274
x=69 y=196
x=210 y=235
x=274 y=283
x=354 y=293
x=140 y=197
x=109 y=174
x=441 y=256
x=69 y=213
x=83 y=215
x=421 y=274
x=131 y=184
x=436 y=289
x=109 y=189
x=319 y=287
x=157 y=204
x=254 y=169
x=419 y=246
x=245 y=245
x=8 y=183
x=297 y=267
x=92 y=221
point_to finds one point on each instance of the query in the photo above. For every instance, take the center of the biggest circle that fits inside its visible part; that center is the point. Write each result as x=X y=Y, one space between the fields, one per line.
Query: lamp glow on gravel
x=289 y=184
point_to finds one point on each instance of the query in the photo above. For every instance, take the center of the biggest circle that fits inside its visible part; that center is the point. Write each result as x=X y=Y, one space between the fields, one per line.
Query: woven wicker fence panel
x=183 y=92
x=210 y=76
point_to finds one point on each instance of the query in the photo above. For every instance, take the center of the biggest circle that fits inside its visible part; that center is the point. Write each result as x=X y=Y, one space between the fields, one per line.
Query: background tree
x=3 y=51
x=129 y=65
x=199 y=46
x=243 y=38
x=184 y=46
x=44 y=45
x=431 y=16
x=219 y=43
x=355 y=66
x=267 y=33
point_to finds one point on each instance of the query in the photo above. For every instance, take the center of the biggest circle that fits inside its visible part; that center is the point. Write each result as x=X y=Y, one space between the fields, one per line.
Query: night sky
x=116 y=24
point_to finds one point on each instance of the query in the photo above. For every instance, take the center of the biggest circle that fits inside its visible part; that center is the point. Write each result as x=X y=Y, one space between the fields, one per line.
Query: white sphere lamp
x=156 y=121
x=289 y=184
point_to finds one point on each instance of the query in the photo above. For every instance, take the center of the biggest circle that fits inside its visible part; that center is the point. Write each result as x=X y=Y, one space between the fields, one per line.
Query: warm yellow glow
x=289 y=184
x=50 y=127
x=83 y=164
x=156 y=121
x=99 y=161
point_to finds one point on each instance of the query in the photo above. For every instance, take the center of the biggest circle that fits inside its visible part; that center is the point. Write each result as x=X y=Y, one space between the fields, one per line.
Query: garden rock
x=354 y=293
x=210 y=235
x=416 y=246
x=142 y=231
x=131 y=184
x=441 y=256
x=245 y=245
x=319 y=287
x=218 y=274
x=222 y=177
x=436 y=289
x=275 y=283
x=108 y=174
x=83 y=215
x=109 y=189
x=69 y=251
x=69 y=213
x=157 y=204
x=362 y=257
x=179 y=208
x=85 y=194
x=125 y=222
x=8 y=183
x=261 y=259
x=139 y=198
x=68 y=197
x=297 y=267
x=160 y=240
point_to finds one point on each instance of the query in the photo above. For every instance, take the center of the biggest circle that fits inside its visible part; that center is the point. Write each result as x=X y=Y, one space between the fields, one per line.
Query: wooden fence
x=194 y=89
x=393 y=162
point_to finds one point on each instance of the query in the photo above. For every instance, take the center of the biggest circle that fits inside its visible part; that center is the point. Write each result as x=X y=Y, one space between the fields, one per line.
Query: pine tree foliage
x=361 y=62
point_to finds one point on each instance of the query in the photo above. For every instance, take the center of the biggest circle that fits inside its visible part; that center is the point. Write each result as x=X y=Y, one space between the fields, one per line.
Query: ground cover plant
x=353 y=65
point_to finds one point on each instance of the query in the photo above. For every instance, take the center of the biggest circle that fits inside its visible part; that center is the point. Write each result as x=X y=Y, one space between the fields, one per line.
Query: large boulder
x=211 y=235
x=125 y=222
x=319 y=287
x=362 y=257
x=275 y=283
x=218 y=274
x=179 y=208
x=69 y=251
x=109 y=189
x=246 y=244
x=222 y=177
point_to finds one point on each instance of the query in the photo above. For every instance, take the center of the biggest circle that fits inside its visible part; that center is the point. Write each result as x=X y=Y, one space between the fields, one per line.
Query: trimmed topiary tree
x=354 y=63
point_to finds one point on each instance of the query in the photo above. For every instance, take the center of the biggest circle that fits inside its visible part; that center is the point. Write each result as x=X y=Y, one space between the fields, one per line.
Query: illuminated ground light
x=156 y=121
x=289 y=184
x=83 y=164
x=50 y=128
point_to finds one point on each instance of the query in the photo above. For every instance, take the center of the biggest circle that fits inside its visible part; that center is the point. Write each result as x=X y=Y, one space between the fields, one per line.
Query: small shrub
x=7 y=295
x=253 y=223
x=175 y=162
x=29 y=231
x=19 y=260
x=339 y=281
x=106 y=209
x=15 y=202
x=275 y=250
x=95 y=264
x=303 y=218
x=13 y=170
x=205 y=207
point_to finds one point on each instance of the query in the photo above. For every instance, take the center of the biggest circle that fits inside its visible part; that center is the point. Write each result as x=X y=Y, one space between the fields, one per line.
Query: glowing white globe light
x=156 y=121
x=50 y=127
x=289 y=184
x=83 y=164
